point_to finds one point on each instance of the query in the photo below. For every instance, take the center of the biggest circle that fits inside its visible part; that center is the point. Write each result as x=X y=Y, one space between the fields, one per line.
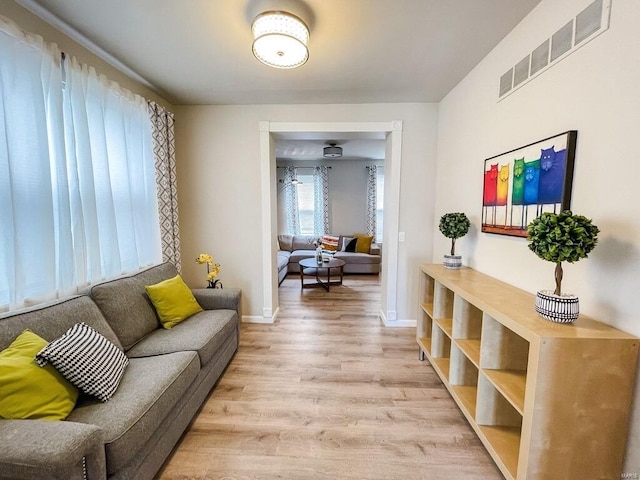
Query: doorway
x=270 y=132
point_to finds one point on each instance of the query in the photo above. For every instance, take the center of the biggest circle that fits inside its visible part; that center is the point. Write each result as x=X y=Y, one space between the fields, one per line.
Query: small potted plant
x=213 y=269
x=454 y=226
x=560 y=237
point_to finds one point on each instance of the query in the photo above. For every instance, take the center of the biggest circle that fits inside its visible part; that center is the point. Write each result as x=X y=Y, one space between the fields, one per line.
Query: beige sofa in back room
x=293 y=248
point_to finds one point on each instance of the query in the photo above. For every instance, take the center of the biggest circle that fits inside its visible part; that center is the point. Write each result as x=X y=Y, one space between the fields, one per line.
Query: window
x=77 y=180
x=306 y=203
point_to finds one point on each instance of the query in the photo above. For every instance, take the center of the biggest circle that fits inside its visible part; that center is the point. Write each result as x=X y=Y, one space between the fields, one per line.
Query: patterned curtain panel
x=321 y=201
x=292 y=223
x=164 y=152
x=372 y=199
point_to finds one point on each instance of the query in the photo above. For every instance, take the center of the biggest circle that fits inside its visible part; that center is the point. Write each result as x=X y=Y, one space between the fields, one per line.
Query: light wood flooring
x=328 y=392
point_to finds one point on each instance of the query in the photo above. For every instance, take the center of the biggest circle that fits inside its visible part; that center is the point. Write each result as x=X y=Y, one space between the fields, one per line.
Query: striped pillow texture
x=87 y=359
x=330 y=242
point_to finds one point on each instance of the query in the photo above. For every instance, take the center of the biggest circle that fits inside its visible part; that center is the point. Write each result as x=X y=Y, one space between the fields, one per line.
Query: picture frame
x=521 y=184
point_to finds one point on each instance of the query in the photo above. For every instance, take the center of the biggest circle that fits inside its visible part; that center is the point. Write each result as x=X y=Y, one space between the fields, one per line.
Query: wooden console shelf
x=547 y=400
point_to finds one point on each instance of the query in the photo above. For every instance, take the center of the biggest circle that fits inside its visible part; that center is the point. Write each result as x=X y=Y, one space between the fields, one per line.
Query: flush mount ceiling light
x=280 y=39
x=332 y=151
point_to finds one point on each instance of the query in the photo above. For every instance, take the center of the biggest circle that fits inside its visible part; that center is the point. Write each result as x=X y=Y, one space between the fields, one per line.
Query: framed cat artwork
x=521 y=184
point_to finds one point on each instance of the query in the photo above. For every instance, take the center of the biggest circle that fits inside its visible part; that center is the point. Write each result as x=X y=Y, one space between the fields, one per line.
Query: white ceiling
x=361 y=51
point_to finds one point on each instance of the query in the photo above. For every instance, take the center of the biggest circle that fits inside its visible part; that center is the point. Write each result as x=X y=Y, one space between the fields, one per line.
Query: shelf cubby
x=467 y=319
x=463 y=378
x=471 y=348
x=423 y=331
x=446 y=325
x=440 y=342
x=467 y=328
x=503 y=359
x=442 y=301
x=520 y=379
x=495 y=411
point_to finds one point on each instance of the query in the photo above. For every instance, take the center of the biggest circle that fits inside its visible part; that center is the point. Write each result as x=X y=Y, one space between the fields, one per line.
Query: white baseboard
x=259 y=319
x=397 y=323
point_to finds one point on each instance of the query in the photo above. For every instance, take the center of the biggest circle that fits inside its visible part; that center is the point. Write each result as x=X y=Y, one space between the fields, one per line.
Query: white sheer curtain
x=77 y=186
x=321 y=200
x=36 y=249
x=110 y=149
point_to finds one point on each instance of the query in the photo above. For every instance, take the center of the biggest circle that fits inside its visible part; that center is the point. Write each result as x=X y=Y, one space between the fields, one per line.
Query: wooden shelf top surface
x=518 y=314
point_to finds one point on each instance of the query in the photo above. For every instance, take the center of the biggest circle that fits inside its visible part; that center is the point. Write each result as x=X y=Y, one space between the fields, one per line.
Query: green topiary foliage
x=453 y=226
x=562 y=237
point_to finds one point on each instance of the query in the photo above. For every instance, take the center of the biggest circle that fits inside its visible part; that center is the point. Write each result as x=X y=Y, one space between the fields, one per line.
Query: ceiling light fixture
x=280 y=39
x=332 y=151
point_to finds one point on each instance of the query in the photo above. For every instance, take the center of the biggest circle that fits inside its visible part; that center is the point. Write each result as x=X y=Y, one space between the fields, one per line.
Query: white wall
x=347 y=181
x=595 y=91
x=218 y=163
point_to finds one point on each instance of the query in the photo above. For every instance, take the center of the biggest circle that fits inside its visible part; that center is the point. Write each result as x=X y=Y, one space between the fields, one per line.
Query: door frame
x=269 y=132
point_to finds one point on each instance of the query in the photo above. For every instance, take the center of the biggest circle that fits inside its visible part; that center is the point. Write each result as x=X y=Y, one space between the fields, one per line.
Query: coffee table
x=311 y=267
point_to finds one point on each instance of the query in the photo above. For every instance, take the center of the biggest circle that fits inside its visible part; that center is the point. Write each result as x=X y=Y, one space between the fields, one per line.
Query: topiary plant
x=454 y=226
x=562 y=237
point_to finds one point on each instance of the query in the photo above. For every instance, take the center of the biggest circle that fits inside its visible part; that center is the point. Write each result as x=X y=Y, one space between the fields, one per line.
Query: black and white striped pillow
x=87 y=359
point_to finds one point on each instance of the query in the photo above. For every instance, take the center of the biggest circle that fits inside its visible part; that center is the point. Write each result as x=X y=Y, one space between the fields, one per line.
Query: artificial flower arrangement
x=213 y=269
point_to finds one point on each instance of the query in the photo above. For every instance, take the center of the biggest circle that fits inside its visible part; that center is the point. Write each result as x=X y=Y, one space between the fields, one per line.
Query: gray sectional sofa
x=293 y=248
x=170 y=374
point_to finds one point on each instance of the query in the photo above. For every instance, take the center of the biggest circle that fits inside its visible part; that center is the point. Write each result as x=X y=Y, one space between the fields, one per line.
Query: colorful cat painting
x=489 y=194
x=490 y=186
x=502 y=190
x=517 y=188
x=531 y=182
x=552 y=171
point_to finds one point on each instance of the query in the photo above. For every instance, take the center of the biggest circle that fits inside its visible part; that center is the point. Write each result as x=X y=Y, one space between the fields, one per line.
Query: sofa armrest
x=375 y=249
x=36 y=449
x=217 y=298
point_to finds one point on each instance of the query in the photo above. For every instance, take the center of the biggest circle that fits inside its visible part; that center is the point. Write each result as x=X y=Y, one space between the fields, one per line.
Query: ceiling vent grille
x=587 y=25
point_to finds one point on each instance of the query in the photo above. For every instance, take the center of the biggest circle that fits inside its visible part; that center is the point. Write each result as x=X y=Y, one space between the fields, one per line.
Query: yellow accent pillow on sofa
x=28 y=390
x=363 y=242
x=173 y=301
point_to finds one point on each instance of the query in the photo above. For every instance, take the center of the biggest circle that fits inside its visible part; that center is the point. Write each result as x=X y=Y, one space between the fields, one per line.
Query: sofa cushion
x=285 y=242
x=149 y=389
x=127 y=308
x=126 y=305
x=173 y=301
x=29 y=391
x=304 y=242
x=52 y=319
x=283 y=259
x=204 y=333
x=87 y=359
x=355 y=257
x=298 y=255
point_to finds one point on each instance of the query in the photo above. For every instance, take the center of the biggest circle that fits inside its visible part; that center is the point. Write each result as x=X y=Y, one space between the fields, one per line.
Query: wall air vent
x=584 y=27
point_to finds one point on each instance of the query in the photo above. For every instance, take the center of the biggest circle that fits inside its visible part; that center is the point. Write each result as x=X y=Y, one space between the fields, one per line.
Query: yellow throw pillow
x=28 y=390
x=173 y=301
x=363 y=242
